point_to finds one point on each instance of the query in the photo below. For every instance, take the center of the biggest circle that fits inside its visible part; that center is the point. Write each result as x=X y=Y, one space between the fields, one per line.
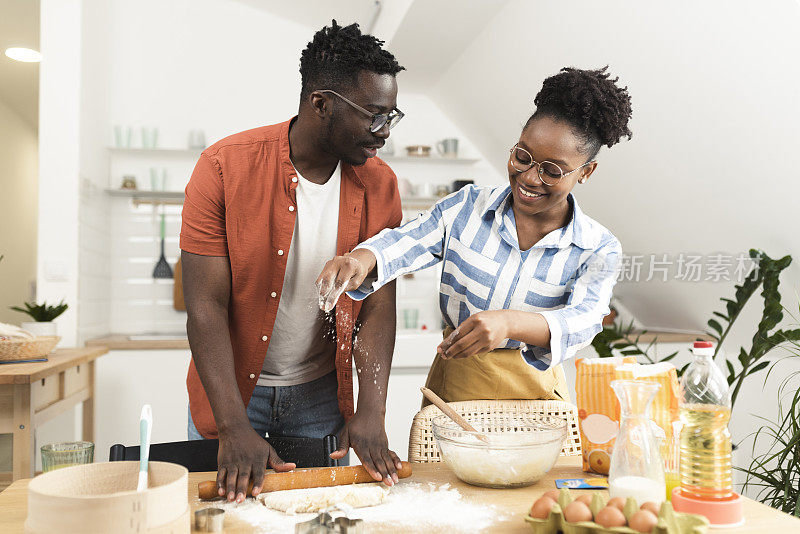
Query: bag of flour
x=598 y=409
x=599 y=412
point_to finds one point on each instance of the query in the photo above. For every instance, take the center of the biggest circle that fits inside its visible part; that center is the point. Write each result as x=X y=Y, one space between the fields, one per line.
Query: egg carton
x=669 y=521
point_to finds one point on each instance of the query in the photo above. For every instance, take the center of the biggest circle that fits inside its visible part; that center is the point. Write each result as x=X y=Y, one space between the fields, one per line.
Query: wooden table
x=32 y=393
x=513 y=503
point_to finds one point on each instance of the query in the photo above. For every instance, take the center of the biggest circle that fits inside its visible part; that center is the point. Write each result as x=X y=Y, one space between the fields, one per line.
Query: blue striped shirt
x=567 y=276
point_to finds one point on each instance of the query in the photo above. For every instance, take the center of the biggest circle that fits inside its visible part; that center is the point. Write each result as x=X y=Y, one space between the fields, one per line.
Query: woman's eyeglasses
x=549 y=173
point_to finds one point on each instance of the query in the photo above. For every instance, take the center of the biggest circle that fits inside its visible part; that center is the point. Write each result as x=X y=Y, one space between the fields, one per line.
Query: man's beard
x=328 y=146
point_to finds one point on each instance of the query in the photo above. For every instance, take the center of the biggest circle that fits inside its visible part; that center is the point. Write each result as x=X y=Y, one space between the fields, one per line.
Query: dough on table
x=300 y=501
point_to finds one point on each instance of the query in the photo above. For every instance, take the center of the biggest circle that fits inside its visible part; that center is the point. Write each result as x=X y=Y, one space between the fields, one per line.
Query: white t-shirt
x=303 y=346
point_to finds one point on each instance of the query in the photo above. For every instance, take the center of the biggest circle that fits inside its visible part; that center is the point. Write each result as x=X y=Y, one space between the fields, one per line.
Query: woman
x=527 y=277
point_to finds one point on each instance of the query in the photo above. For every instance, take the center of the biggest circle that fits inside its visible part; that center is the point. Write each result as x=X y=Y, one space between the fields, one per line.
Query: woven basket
x=27 y=349
x=102 y=497
x=422 y=445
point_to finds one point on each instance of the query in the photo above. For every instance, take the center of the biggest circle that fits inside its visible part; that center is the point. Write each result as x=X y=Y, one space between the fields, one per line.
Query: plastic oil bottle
x=705 y=443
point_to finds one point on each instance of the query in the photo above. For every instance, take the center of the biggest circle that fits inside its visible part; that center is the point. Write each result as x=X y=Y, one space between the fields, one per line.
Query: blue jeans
x=309 y=410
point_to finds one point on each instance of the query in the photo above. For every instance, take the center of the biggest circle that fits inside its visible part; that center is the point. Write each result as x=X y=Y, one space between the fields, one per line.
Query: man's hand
x=365 y=433
x=243 y=455
x=343 y=273
x=481 y=332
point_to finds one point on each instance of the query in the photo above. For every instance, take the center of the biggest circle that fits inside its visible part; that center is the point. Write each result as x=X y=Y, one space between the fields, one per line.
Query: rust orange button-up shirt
x=238 y=205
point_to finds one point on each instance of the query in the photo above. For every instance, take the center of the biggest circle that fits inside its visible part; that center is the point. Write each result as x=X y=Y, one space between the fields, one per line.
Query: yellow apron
x=500 y=374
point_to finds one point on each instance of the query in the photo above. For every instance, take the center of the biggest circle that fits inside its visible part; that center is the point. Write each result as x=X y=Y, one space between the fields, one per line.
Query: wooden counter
x=123 y=342
x=32 y=393
x=513 y=504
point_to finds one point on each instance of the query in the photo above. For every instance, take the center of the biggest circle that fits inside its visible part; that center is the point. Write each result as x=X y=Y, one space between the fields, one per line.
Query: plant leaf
x=757 y=368
x=731 y=372
x=715 y=325
x=669 y=357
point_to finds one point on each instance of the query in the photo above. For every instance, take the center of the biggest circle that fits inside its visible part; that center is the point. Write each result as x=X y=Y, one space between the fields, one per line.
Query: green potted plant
x=775 y=473
x=43 y=316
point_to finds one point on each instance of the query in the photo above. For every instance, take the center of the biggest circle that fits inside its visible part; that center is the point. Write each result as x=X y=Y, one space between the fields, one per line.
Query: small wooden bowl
x=102 y=497
x=418 y=151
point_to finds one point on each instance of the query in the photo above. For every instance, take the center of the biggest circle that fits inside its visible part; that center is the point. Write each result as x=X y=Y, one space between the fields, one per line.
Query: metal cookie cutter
x=209 y=520
x=324 y=523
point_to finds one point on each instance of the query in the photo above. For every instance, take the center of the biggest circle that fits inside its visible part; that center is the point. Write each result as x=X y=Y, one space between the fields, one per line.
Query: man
x=264 y=210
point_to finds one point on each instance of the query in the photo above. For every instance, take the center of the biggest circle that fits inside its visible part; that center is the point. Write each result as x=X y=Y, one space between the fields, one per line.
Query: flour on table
x=408 y=507
x=300 y=501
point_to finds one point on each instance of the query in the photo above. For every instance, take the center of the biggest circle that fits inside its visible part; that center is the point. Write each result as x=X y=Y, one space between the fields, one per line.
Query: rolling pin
x=314 y=477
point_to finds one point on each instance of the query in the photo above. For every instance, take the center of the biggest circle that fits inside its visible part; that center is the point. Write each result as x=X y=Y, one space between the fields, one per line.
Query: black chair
x=201 y=455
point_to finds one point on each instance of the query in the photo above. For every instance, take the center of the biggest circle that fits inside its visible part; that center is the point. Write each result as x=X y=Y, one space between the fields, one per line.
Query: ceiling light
x=24 y=54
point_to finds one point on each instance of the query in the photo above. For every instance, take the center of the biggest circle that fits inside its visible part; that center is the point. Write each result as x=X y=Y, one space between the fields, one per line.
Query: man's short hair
x=336 y=55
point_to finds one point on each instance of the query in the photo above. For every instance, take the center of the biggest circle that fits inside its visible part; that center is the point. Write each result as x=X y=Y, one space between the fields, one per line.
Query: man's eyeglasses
x=549 y=173
x=379 y=120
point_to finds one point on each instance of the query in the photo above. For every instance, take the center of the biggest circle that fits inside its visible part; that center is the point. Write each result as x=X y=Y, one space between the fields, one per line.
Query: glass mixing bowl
x=518 y=450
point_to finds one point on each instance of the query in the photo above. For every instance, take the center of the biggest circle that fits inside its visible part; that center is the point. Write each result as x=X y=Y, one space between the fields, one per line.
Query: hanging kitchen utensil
x=162 y=269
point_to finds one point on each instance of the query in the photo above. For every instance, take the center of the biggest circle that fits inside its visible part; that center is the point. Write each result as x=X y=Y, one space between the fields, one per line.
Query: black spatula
x=162 y=269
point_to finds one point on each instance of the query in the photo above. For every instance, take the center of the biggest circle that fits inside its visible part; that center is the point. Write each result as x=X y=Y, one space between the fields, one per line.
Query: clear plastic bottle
x=705 y=453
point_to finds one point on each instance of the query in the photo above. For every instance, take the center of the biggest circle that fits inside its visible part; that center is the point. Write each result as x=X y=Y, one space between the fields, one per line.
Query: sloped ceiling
x=19 y=82
x=713 y=164
x=318 y=13
x=433 y=34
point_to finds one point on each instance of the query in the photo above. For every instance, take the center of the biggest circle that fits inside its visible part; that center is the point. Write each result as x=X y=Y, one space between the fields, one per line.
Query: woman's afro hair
x=591 y=102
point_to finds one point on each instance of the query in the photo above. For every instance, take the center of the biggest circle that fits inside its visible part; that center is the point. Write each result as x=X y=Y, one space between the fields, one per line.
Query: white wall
x=94 y=264
x=59 y=158
x=218 y=65
x=18 y=213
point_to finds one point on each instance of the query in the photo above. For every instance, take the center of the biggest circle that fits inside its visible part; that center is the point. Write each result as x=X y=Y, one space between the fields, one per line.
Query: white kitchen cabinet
x=127 y=379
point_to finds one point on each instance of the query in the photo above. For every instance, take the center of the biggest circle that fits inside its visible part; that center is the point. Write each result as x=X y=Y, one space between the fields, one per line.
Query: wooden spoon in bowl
x=437 y=401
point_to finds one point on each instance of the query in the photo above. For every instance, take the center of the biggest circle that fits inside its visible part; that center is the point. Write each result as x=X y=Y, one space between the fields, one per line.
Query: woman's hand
x=343 y=273
x=481 y=332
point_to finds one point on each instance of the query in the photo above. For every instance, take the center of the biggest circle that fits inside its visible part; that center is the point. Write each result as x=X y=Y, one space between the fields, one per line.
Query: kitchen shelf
x=668 y=337
x=429 y=159
x=414 y=203
x=176 y=197
x=148 y=197
x=156 y=151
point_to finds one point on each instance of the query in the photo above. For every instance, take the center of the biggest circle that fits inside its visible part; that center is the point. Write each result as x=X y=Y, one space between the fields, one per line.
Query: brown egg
x=651 y=507
x=617 y=502
x=553 y=494
x=643 y=521
x=541 y=508
x=585 y=499
x=610 y=517
x=577 y=511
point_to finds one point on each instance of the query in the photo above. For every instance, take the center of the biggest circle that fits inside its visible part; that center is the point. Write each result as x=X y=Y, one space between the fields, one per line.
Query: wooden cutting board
x=177 y=289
